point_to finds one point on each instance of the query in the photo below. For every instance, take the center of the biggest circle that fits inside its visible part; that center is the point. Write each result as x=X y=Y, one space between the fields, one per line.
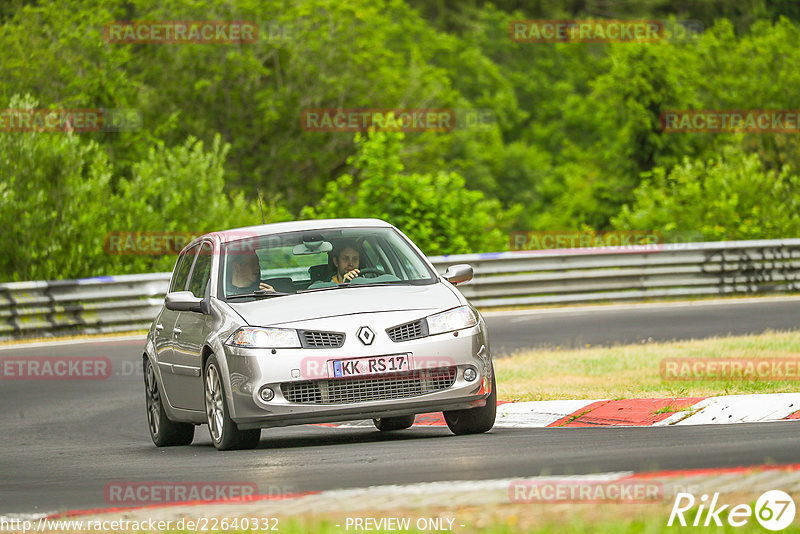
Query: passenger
x=346 y=261
x=246 y=275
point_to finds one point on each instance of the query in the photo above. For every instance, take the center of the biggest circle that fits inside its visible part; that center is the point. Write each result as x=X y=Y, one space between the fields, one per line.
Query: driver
x=345 y=259
x=246 y=277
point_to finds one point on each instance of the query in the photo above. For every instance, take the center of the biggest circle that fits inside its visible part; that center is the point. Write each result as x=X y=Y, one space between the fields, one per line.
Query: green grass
x=632 y=371
x=672 y=409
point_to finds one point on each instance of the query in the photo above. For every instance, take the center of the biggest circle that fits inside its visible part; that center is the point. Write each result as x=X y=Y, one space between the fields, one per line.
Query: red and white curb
x=631 y=412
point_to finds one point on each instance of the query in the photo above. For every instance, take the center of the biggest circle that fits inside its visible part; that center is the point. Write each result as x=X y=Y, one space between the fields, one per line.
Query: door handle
x=177 y=331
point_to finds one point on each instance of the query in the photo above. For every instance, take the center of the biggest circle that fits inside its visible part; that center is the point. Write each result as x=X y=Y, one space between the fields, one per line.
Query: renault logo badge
x=366 y=335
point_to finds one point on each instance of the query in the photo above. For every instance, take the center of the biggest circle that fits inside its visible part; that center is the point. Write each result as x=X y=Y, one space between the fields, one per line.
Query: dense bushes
x=436 y=210
x=59 y=203
x=575 y=141
x=727 y=197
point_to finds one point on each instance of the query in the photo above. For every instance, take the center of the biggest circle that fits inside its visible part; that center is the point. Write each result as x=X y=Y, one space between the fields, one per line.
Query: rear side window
x=201 y=272
x=182 y=270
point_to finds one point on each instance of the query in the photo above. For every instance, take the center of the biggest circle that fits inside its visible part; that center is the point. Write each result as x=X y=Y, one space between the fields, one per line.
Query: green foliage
x=50 y=186
x=436 y=211
x=576 y=126
x=727 y=197
x=56 y=195
x=181 y=189
x=609 y=133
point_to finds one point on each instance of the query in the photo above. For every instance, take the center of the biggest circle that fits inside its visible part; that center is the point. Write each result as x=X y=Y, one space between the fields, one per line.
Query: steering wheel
x=370 y=270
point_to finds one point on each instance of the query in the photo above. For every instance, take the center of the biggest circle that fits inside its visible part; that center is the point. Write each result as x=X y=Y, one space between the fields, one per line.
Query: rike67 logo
x=774 y=510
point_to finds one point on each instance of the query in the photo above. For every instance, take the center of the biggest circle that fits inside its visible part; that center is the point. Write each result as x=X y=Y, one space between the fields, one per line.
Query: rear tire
x=385 y=424
x=223 y=430
x=164 y=433
x=474 y=420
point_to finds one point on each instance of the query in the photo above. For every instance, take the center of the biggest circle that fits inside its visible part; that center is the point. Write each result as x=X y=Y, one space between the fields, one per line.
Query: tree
x=435 y=210
x=726 y=198
x=53 y=191
x=59 y=206
x=181 y=189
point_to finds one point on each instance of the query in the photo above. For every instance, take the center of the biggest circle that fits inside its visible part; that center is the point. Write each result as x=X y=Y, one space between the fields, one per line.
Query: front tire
x=474 y=420
x=164 y=433
x=223 y=431
x=386 y=424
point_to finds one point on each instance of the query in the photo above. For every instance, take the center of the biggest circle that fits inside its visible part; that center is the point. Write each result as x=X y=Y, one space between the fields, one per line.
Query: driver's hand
x=266 y=287
x=352 y=274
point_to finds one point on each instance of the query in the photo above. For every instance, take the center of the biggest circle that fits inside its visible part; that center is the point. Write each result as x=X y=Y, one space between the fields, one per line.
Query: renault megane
x=312 y=322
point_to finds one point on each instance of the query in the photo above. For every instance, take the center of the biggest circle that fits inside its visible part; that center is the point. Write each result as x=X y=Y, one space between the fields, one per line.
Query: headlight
x=264 y=338
x=455 y=319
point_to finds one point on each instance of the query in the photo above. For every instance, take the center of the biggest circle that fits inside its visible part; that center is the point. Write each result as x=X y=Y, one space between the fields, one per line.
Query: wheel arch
x=214 y=347
x=207 y=352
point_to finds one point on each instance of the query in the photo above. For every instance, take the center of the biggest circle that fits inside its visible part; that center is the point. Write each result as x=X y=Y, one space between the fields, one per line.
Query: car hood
x=345 y=301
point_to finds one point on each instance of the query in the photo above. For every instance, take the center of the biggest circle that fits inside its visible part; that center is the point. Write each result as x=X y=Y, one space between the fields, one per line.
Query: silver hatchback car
x=313 y=322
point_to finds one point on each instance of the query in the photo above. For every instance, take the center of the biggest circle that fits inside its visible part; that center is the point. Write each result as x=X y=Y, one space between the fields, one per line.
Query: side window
x=181 y=274
x=201 y=272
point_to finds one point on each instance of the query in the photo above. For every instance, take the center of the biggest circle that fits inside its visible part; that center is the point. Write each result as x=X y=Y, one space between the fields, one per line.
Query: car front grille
x=318 y=340
x=405 y=332
x=374 y=388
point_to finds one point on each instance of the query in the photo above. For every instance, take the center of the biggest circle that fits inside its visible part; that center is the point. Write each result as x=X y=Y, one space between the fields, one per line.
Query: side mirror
x=184 y=301
x=456 y=274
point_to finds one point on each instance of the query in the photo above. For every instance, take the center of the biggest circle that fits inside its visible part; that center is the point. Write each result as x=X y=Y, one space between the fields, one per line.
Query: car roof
x=234 y=234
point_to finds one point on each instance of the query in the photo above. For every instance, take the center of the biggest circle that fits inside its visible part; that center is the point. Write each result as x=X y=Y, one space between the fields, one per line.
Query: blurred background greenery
x=576 y=143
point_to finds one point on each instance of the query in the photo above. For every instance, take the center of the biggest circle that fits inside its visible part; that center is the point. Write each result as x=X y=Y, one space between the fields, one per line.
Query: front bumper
x=250 y=370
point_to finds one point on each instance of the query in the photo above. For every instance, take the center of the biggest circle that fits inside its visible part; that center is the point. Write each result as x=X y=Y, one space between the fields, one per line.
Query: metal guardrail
x=503 y=279
x=630 y=273
x=90 y=305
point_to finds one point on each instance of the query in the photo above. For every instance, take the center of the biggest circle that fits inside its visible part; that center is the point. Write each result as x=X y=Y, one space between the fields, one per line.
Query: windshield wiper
x=379 y=284
x=340 y=286
x=265 y=294
x=321 y=288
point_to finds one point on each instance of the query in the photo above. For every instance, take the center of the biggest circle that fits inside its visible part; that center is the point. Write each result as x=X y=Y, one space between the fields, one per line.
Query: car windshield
x=297 y=262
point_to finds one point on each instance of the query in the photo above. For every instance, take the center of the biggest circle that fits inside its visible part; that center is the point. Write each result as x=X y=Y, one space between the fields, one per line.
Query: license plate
x=372 y=365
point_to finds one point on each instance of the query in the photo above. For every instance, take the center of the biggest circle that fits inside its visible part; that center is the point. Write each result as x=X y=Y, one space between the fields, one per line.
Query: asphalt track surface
x=62 y=442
